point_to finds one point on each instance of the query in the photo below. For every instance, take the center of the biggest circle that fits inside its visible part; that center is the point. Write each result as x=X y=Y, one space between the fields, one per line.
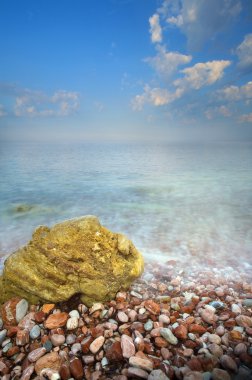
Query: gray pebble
x=35 y=332
x=3 y=334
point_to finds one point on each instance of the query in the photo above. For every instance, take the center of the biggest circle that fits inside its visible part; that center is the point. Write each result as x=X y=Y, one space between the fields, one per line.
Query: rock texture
x=75 y=256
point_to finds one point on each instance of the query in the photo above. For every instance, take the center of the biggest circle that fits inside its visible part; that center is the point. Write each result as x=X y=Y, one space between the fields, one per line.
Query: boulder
x=75 y=256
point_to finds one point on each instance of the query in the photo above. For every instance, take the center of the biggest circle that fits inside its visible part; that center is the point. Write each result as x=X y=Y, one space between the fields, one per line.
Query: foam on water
x=187 y=202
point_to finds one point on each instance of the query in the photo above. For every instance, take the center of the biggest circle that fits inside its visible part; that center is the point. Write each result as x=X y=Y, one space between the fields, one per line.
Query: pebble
x=76 y=368
x=72 y=323
x=236 y=309
x=121 y=339
x=138 y=362
x=214 y=338
x=76 y=348
x=240 y=348
x=167 y=334
x=220 y=374
x=127 y=345
x=96 y=306
x=122 y=317
x=35 y=332
x=157 y=374
x=3 y=334
x=51 y=360
x=247 y=302
x=56 y=320
x=228 y=363
x=70 y=338
x=27 y=372
x=57 y=339
x=74 y=313
x=36 y=354
x=148 y=326
x=96 y=345
x=244 y=321
x=137 y=372
x=208 y=316
x=164 y=319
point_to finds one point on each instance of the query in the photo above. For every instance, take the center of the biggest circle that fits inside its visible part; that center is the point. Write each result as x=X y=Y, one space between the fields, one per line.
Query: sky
x=126 y=69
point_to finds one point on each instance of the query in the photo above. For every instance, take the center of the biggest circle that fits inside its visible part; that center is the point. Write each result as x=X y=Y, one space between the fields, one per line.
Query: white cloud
x=2 y=111
x=222 y=110
x=200 y=20
x=236 y=93
x=244 y=52
x=165 y=63
x=178 y=20
x=202 y=74
x=155 y=96
x=155 y=28
x=35 y=103
x=246 y=118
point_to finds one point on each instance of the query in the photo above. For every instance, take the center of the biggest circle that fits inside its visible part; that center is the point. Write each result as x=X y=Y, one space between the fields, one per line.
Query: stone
x=240 y=348
x=122 y=317
x=57 y=339
x=114 y=352
x=50 y=374
x=27 y=372
x=244 y=321
x=76 y=348
x=76 y=368
x=127 y=345
x=148 y=326
x=51 y=360
x=157 y=374
x=3 y=334
x=214 y=338
x=247 y=302
x=167 y=334
x=72 y=323
x=220 y=374
x=27 y=322
x=47 y=307
x=22 y=337
x=13 y=310
x=137 y=372
x=152 y=307
x=181 y=332
x=138 y=362
x=97 y=344
x=208 y=316
x=36 y=354
x=228 y=363
x=215 y=349
x=74 y=313
x=35 y=332
x=65 y=371
x=56 y=320
x=75 y=256
x=197 y=329
x=236 y=308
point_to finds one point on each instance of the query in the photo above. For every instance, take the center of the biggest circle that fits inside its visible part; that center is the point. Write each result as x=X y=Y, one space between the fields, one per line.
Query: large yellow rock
x=75 y=256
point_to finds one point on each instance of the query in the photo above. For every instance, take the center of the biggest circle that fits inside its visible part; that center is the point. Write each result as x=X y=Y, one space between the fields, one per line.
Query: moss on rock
x=75 y=256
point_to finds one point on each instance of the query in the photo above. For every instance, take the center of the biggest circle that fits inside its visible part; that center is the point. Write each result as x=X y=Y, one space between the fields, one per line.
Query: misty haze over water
x=183 y=201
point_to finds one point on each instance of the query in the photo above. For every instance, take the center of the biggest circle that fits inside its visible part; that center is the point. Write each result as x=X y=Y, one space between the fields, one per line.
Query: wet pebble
x=35 y=332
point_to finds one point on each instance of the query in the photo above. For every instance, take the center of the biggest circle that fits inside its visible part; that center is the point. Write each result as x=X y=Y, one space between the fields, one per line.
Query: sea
x=190 y=202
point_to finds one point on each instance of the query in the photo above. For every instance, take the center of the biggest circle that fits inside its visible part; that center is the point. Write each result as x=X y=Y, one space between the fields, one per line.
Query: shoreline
x=193 y=325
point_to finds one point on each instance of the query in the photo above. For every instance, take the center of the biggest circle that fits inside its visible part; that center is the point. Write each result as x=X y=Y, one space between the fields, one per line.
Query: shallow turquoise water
x=173 y=200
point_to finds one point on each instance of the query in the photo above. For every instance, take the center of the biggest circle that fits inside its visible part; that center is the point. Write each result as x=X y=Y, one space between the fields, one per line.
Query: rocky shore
x=175 y=322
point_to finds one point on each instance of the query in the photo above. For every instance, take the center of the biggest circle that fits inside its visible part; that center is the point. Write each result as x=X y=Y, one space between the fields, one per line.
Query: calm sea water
x=174 y=201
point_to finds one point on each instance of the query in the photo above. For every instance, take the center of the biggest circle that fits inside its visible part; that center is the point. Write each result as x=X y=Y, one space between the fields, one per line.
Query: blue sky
x=126 y=69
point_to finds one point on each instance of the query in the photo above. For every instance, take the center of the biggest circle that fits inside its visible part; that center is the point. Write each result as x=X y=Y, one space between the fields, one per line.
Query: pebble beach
x=178 y=321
